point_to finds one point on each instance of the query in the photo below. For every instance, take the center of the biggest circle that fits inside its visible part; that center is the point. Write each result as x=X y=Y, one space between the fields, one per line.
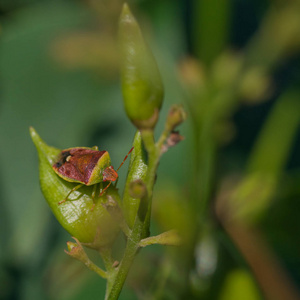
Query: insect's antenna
x=124 y=159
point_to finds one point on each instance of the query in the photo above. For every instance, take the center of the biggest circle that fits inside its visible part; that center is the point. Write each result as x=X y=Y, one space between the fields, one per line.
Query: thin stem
x=129 y=255
x=272 y=278
x=170 y=238
x=163 y=136
x=141 y=226
x=106 y=256
x=96 y=269
x=153 y=159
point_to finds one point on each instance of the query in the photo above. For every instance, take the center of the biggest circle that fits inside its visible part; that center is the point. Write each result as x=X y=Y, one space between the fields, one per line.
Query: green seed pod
x=137 y=171
x=141 y=81
x=88 y=222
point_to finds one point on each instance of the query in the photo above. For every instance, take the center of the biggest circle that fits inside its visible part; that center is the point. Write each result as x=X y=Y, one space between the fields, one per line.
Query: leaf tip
x=34 y=136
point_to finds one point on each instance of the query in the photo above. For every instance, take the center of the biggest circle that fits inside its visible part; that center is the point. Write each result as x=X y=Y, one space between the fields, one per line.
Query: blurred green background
x=233 y=64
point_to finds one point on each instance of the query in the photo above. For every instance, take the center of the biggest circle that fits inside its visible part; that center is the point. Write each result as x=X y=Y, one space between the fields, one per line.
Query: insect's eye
x=58 y=164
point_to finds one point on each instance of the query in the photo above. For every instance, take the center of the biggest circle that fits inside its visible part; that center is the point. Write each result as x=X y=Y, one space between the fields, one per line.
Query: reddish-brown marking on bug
x=78 y=163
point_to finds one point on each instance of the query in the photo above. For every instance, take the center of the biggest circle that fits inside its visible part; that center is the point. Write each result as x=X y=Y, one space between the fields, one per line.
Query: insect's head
x=110 y=174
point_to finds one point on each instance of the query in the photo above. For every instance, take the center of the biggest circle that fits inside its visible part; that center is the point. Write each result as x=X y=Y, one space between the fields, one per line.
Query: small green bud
x=137 y=189
x=76 y=251
x=71 y=246
x=141 y=81
x=83 y=218
x=175 y=117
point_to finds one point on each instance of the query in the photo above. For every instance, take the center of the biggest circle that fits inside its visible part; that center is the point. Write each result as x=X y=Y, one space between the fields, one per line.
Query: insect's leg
x=100 y=187
x=72 y=190
x=103 y=191
x=93 y=196
x=94 y=192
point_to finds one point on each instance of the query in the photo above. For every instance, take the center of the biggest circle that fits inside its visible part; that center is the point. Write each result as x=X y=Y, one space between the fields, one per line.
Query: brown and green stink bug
x=87 y=166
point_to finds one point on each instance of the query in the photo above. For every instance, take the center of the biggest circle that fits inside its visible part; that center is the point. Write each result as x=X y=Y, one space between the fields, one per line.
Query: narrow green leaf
x=273 y=145
x=211 y=28
x=253 y=195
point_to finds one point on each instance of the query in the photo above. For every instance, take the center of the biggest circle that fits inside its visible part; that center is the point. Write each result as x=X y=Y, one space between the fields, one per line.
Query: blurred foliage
x=235 y=178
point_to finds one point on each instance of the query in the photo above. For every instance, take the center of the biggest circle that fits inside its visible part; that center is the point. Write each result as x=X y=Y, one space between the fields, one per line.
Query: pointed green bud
x=175 y=117
x=141 y=81
x=76 y=251
x=86 y=220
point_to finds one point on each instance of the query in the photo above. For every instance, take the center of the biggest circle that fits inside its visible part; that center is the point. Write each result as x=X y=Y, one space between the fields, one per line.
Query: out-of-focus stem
x=270 y=275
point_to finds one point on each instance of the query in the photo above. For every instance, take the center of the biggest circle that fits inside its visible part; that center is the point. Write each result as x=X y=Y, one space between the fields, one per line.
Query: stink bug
x=87 y=166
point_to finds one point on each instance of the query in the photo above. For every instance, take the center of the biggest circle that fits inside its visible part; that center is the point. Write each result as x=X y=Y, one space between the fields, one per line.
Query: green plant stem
x=205 y=173
x=96 y=269
x=170 y=238
x=163 y=136
x=153 y=159
x=210 y=38
x=105 y=253
x=113 y=291
x=141 y=226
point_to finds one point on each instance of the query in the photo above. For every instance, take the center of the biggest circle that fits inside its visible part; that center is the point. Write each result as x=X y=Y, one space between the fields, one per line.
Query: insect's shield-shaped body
x=84 y=165
x=85 y=218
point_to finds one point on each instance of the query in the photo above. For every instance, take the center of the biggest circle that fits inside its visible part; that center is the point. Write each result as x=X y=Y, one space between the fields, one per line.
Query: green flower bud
x=141 y=82
x=175 y=117
x=76 y=251
x=87 y=221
